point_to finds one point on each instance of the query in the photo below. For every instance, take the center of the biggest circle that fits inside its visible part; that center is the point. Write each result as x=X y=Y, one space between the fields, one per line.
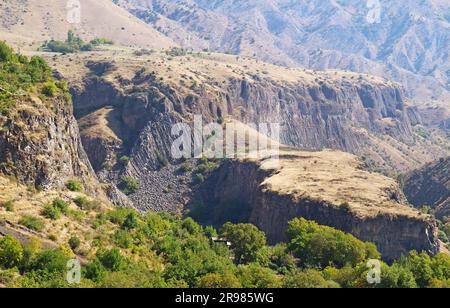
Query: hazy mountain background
x=410 y=43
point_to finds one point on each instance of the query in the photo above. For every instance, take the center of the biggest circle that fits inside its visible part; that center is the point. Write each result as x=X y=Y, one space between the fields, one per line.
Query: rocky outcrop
x=239 y=192
x=40 y=146
x=430 y=186
x=319 y=35
x=320 y=110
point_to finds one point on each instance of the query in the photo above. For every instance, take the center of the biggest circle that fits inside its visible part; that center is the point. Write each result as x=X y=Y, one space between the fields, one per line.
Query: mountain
x=430 y=186
x=30 y=22
x=409 y=43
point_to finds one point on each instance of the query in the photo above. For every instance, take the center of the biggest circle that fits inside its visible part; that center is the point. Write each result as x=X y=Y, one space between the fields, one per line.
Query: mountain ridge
x=408 y=44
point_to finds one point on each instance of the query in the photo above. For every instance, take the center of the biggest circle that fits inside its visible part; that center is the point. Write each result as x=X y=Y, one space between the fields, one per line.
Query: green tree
x=11 y=252
x=52 y=261
x=308 y=279
x=6 y=52
x=246 y=240
x=112 y=260
x=218 y=281
x=397 y=277
x=256 y=276
x=321 y=246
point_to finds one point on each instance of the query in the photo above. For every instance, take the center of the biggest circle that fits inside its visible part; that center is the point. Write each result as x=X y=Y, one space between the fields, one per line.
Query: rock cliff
x=430 y=186
x=136 y=100
x=313 y=186
x=40 y=145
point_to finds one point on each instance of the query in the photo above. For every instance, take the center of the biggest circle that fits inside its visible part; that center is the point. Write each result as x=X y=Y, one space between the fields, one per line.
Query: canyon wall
x=236 y=192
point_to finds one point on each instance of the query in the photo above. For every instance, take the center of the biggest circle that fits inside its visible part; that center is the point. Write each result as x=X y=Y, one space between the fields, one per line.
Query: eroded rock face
x=236 y=192
x=345 y=115
x=41 y=146
x=430 y=186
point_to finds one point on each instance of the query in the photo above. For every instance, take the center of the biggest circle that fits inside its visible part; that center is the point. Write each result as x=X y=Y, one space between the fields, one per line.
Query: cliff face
x=40 y=145
x=430 y=186
x=359 y=114
x=245 y=191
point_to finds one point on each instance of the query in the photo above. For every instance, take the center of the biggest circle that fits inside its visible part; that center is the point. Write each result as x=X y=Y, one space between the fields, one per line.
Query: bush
x=9 y=206
x=256 y=276
x=163 y=162
x=219 y=281
x=31 y=222
x=112 y=260
x=124 y=160
x=52 y=261
x=129 y=185
x=131 y=221
x=186 y=167
x=74 y=186
x=101 y=41
x=6 y=52
x=51 y=212
x=11 y=252
x=199 y=178
x=49 y=89
x=308 y=279
x=81 y=202
x=74 y=243
x=61 y=205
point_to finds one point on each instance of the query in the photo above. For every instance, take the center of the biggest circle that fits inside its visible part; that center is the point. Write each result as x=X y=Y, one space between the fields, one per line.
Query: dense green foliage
x=74 y=43
x=21 y=77
x=321 y=246
x=161 y=250
x=246 y=241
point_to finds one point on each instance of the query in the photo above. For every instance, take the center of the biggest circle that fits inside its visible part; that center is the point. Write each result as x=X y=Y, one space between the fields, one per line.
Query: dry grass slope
x=29 y=22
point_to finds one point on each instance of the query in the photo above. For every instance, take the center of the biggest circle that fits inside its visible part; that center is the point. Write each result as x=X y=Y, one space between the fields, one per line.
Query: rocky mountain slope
x=329 y=187
x=40 y=145
x=407 y=42
x=30 y=22
x=430 y=186
x=128 y=106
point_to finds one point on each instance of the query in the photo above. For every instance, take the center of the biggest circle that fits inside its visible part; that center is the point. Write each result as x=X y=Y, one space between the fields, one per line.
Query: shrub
x=51 y=212
x=9 y=206
x=186 y=167
x=74 y=185
x=199 y=178
x=162 y=160
x=112 y=259
x=6 y=52
x=131 y=221
x=129 y=185
x=62 y=205
x=123 y=239
x=308 y=279
x=256 y=276
x=124 y=160
x=11 y=252
x=81 y=202
x=49 y=89
x=102 y=41
x=219 y=281
x=74 y=243
x=31 y=222
x=52 y=261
